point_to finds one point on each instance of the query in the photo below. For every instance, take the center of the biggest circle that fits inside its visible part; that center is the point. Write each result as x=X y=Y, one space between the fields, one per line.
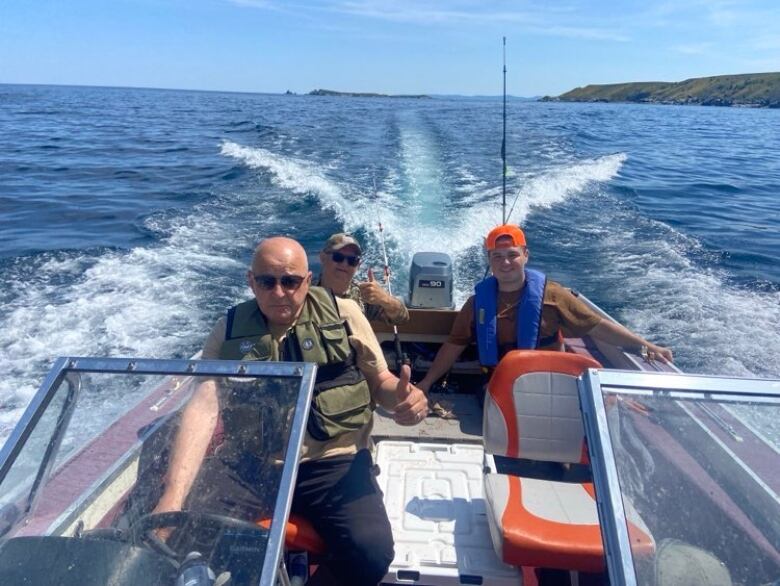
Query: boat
x=589 y=466
x=593 y=465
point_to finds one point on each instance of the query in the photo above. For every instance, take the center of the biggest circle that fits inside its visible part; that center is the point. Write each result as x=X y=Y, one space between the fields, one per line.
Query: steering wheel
x=143 y=530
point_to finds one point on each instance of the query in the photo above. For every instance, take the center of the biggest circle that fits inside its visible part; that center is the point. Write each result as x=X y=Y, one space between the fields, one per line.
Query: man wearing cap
x=518 y=308
x=340 y=260
x=336 y=488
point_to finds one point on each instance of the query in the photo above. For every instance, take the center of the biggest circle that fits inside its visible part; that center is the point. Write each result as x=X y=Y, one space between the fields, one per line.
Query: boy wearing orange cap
x=518 y=308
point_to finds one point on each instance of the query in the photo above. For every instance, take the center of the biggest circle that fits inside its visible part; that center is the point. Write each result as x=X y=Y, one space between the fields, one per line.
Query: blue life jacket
x=529 y=315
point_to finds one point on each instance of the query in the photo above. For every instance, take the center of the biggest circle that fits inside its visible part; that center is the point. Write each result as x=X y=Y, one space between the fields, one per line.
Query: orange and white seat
x=532 y=412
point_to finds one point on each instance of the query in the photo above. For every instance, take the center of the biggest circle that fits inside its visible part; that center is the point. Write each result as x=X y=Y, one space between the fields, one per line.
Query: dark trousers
x=339 y=496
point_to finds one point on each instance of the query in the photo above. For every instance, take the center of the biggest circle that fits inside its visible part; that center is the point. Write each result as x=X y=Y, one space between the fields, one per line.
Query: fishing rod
x=512 y=209
x=399 y=357
x=503 y=150
x=504 y=217
x=503 y=157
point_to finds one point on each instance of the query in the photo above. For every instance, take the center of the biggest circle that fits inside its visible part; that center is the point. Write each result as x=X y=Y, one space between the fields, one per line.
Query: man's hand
x=412 y=406
x=165 y=505
x=653 y=352
x=373 y=293
x=613 y=333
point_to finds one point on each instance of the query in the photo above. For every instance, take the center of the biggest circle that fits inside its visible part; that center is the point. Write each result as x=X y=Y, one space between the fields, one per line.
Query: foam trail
x=467 y=181
x=476 y=214
x=304 y=178
x=464 y=226
x=672 y=297
x=424 y=192
x=351 y=206
x=549 y=189
x=454 y=228
x=711 y=327
x=144 y=302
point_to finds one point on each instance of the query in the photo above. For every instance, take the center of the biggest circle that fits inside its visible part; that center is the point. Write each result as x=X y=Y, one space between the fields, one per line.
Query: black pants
x=339 y=496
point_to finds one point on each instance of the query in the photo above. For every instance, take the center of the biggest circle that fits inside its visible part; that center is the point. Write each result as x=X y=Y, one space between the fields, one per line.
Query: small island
x=755 y=90
x=331 y=93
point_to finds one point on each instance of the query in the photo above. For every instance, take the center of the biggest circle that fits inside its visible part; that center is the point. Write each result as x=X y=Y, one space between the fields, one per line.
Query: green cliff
x=758 y=90
x=359 y=94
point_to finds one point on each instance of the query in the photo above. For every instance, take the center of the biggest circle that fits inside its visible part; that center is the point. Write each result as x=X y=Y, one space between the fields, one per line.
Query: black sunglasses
x=288 y=282
x=339 y=258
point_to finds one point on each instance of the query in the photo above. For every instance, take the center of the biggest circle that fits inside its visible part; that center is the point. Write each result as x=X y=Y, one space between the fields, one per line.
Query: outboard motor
x=430 y=285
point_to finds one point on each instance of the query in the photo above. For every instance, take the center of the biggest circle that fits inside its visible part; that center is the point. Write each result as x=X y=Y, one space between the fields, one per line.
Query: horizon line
x=261 y=93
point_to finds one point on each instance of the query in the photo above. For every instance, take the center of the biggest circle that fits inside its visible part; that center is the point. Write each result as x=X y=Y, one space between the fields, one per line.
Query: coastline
x=750 y=90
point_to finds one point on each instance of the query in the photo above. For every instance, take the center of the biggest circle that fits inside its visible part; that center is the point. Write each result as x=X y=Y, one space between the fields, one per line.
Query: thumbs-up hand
x=404 y=388
x=412 y=406
x=371 y=291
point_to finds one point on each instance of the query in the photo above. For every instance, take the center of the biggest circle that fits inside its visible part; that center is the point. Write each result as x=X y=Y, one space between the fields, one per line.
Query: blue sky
x=388 y=46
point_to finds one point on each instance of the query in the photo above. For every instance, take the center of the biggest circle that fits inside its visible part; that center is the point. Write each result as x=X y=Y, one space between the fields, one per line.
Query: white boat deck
x=434 y=499
x=465 y=427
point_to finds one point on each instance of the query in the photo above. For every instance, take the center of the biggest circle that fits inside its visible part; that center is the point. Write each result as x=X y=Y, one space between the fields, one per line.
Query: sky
x=385 y=46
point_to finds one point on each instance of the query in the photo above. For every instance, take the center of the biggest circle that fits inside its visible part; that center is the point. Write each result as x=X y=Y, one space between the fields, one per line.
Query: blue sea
x=128 y=216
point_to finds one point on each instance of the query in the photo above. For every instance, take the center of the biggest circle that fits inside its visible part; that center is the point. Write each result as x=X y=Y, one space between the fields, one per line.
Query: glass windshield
x=699 y=471
x=91 y=458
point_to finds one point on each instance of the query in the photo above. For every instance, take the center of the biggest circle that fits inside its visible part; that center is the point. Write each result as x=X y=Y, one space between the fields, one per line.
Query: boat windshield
x=83 y=471
x=694 y=460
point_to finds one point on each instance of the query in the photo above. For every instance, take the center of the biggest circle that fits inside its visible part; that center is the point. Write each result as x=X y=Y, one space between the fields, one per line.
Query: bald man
x=336 y=488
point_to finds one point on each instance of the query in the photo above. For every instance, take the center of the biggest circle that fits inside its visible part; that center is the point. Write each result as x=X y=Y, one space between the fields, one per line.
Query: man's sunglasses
x=288 y=282
x=339 y=258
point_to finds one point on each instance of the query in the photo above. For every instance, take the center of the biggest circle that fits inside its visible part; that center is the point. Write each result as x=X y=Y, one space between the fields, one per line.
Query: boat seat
x=300 y=535
x=532 y=412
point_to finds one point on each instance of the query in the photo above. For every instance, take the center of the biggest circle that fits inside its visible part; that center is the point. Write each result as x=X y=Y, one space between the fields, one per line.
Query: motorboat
x=589 y=466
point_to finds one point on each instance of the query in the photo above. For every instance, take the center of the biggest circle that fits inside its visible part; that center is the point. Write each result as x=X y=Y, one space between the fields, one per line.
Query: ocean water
x=128 y=217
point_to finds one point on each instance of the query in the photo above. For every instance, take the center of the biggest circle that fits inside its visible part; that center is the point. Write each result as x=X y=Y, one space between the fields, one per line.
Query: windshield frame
x=72 y=367
x=592 y=386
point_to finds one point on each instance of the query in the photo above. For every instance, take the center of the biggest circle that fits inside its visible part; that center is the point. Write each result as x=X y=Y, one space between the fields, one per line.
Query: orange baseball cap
x=505 y=230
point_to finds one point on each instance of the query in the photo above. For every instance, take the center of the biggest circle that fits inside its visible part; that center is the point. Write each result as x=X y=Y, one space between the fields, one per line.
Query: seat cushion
x=549 y=524
x=299 y=535
x=537 y=418
x=532 y=407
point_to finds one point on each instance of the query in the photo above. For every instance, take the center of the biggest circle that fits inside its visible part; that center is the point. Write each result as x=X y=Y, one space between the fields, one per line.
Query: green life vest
x=342 y=399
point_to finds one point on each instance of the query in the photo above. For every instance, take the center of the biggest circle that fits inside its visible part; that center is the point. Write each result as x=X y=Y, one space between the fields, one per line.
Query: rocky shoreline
x=751 y=90
x=332 y=93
